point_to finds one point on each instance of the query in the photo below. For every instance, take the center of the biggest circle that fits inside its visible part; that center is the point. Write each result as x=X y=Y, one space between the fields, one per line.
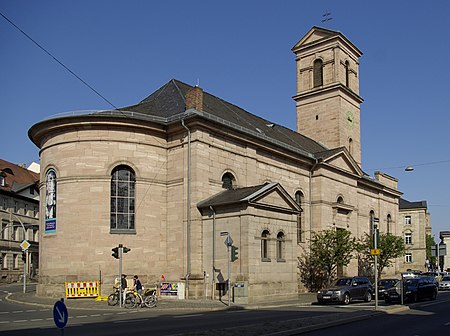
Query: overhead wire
x=61 y=63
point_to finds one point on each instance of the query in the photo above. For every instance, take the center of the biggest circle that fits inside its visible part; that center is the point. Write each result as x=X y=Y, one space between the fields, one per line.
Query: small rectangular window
x=408 y=238
x=408 y=258
x=407 y=220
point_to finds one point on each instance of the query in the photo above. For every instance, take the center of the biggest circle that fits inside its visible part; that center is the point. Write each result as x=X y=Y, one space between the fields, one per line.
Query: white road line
x=49 y=319
x=94 y=315
x=81 y=316
x=4 y=322
x=34 y=320
x=184 y=316
x=30 y=310
x=122 y=313
x=4 y=312
x=20 y=321
x=107 y=314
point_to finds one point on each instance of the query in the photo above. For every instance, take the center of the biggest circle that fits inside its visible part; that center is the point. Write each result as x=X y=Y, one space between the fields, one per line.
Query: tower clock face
x=350 y=119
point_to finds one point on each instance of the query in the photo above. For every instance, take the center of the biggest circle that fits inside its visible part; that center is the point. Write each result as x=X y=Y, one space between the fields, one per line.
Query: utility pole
x=228 y=242
x=375 y=222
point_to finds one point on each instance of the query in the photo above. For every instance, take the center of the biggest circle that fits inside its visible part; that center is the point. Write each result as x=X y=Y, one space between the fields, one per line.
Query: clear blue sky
x=241 y=52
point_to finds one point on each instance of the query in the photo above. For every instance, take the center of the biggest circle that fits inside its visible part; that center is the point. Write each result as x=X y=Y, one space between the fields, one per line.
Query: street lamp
x=24 y=249
x=409 y=168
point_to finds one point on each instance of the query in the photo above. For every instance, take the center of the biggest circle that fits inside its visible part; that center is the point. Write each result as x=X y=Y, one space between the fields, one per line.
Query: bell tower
x=327 y=98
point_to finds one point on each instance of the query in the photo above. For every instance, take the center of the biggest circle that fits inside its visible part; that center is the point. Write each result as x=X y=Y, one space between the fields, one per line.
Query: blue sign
x=50 y=225
x=60 y=314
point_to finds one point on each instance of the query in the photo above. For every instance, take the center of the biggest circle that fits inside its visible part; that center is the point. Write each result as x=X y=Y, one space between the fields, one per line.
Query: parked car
x=414 y=289
x=384 y=285
x=444 y=284
x=347 y=289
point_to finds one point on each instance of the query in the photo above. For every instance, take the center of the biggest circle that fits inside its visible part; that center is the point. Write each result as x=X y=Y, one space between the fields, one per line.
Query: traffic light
x=234 y=253
x=126 y=249
x=115 y=253
x=24 y=256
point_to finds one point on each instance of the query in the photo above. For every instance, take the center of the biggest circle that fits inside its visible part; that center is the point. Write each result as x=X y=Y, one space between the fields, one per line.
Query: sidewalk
x=284 y=328
x=163 y=303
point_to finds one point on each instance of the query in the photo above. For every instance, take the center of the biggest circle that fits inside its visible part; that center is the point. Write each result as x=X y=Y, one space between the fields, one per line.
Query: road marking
x=4 y=322
x=122 y=313
x=184 y=316
x=34 y=320
x=30 y=310
x=17 y=311
x=49 y=319
x=20 y=321
x=81 y=316
x=94 y=315
x=4 y=312
x=107 y=314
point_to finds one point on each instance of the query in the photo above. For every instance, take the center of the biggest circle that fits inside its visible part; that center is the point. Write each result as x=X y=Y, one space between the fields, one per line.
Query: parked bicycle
x=113 y=298
x=147 y=299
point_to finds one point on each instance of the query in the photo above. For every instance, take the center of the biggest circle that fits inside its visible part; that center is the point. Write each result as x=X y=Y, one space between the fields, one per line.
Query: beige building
x=168 y=177
x=415 y=226
x=19 y=217
x=445 y=258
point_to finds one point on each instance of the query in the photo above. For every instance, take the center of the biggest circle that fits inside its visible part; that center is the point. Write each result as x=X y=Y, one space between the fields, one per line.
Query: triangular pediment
x=313 y=35
x=316 y=34
x=276 y=198
x=341 y=159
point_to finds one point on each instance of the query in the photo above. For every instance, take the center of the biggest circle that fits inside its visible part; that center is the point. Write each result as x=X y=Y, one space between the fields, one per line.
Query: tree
x=391 y=248
x=429 y=241
x=328 y=250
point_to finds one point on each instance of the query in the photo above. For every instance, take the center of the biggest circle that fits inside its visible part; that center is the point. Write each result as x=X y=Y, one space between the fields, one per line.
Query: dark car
x=414 y=289
x=347 y=289
x=384 y=285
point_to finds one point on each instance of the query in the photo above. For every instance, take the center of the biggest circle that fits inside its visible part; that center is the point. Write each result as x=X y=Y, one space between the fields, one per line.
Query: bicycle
x=113 y=298
x=147 y=299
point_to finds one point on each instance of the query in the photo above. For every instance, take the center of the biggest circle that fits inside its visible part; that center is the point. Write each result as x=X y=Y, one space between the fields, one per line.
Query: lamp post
x=375 y=222
x=24 y=249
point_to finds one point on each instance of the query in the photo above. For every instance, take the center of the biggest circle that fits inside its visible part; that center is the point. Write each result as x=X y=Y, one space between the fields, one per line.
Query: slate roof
x=16 y=177
x=404 y=204
x=231 y=196
x=169 y=101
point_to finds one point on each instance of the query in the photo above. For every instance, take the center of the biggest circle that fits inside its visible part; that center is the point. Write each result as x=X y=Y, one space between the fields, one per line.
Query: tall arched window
x=388 y=223
x=50 y=201
x=122 y=198
x=299 y=199
x=318 y=72
x=228 y=181
x=350 y=146
x=265 y=245
x=280 y=246
x=347 y=74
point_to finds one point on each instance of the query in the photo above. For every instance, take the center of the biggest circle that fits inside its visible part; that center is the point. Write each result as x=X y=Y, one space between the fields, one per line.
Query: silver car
x=444 y=284
x=347 y=289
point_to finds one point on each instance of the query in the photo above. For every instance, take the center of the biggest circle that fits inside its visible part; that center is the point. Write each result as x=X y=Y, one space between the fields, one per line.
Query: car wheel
x=434 y=295
x=368 y=297
x=346 y=300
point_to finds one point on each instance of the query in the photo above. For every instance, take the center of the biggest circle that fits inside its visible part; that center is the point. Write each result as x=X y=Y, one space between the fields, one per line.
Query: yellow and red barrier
x=82 y=289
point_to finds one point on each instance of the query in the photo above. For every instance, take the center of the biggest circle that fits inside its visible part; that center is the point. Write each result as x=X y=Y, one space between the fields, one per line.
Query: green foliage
x=429 y=241
x=391 y=248
x=328 y=250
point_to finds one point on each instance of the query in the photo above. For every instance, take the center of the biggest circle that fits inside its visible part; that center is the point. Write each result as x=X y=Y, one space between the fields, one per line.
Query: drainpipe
x=310 y=196
x=213 y=274
x=188 y=226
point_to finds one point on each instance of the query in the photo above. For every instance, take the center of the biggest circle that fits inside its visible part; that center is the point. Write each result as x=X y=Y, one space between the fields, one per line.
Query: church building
x=184 y=179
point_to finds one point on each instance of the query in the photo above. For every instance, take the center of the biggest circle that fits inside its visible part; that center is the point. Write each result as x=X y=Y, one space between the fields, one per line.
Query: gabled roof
x=248 y=195
x=330 y=155
x=404 y=204
x=16 y=177
x=169 y=101
x=318 y=34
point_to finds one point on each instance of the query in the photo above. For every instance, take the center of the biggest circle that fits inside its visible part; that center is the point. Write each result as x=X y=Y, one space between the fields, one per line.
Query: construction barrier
x=82 y=289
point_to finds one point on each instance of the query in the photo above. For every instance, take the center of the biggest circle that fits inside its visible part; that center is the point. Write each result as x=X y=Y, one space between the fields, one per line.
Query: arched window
x=280 y=246
x=318 y=72
x=347 y=74
x=122 y=198
x=50 y=201
x=299 y=198
x=388 y=223
x=350 y=146
x=228 y=181
x=265 y=245
x=340 y=200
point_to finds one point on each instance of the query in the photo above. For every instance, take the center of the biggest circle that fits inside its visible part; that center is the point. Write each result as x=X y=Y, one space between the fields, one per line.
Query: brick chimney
x=194 y=99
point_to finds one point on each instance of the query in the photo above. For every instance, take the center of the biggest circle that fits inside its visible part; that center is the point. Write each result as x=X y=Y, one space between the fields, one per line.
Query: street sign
x=228 y=241
x=25 y=245
x=60 y=314
x=374 y=251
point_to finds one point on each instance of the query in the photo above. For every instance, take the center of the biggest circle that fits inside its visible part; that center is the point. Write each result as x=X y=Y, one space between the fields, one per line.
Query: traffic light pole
x=120 y=275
